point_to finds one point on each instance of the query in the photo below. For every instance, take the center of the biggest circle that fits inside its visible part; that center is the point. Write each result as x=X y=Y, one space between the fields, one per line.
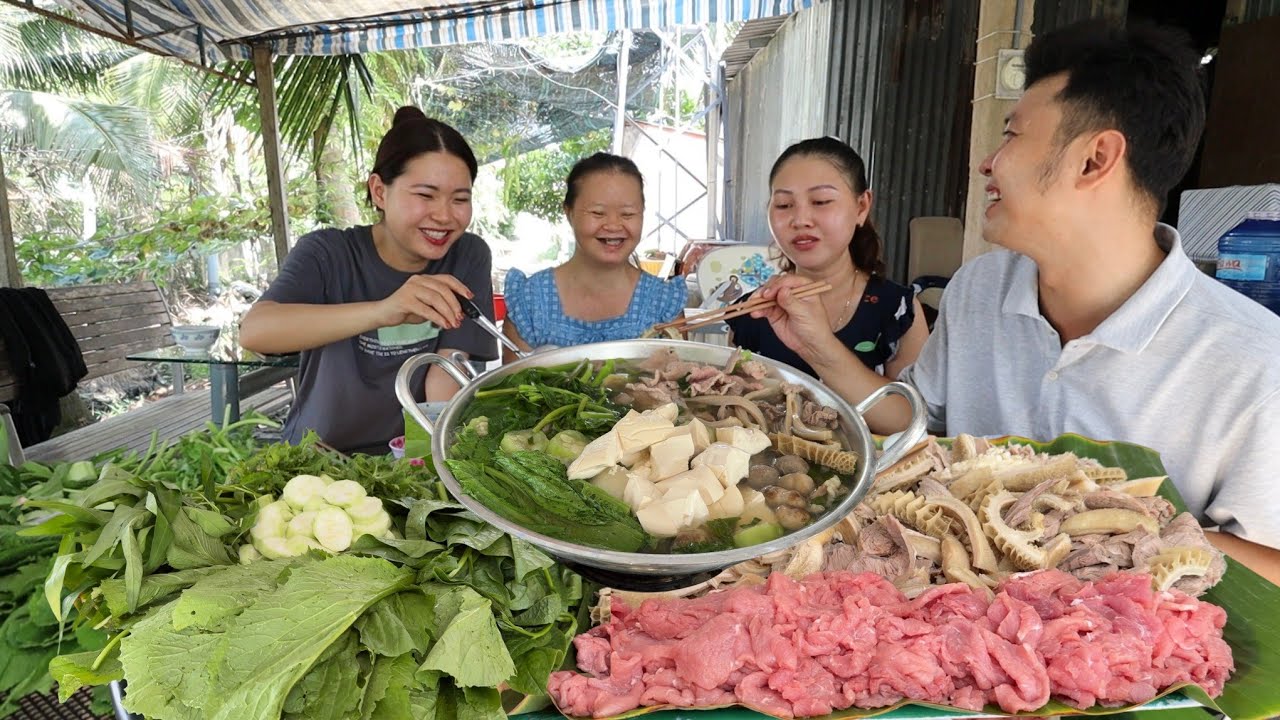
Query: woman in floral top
x=599 y=294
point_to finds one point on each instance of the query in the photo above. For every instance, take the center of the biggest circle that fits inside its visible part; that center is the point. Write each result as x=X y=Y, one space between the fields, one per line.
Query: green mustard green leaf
x=272 y=644
x=470 y=649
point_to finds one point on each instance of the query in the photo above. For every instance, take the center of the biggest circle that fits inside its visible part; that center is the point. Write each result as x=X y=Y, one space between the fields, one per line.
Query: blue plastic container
x=1249 y=260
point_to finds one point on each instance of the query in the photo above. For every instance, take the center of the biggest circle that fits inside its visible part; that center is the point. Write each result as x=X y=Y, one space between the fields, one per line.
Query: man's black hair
x=1142 y=80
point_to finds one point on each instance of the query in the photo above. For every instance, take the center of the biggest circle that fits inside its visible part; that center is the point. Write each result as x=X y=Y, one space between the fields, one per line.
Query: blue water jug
x=1249 y=260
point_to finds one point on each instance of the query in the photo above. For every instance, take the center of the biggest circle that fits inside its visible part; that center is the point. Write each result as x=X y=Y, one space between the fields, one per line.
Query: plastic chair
x=935 y=252
x=726 y=274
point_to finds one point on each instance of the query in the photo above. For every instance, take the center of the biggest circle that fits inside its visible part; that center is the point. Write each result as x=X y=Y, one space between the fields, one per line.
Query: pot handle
x=405 y=394
x=916 y=429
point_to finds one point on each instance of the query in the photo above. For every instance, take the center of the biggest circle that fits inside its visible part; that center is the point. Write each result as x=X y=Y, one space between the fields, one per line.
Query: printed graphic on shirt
x=406 y=339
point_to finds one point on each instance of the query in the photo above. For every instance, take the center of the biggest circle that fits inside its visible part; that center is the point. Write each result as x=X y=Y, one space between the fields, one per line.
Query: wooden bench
x=111 y=322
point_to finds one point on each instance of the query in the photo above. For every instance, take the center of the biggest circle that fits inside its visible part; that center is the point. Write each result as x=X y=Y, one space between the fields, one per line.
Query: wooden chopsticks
x=732 y=311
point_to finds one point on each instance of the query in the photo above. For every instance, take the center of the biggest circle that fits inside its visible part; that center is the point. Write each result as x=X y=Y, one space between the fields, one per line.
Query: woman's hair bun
x=408 y=113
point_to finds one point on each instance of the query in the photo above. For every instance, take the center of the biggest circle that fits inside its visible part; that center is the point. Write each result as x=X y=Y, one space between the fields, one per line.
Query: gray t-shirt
x=346 y=389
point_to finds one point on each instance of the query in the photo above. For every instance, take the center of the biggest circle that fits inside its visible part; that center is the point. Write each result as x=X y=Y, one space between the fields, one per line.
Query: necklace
x=842 y=318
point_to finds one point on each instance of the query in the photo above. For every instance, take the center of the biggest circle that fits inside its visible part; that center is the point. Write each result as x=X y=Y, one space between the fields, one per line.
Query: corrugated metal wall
x=777 y=99
x=1051 y=14
x=901 y=85
x=1258 y=9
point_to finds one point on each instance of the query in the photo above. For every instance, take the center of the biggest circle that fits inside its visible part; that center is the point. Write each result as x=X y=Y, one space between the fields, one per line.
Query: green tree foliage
x=534 y=182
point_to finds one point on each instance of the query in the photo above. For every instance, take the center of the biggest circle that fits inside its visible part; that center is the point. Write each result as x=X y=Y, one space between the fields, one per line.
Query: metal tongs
x=471 y=310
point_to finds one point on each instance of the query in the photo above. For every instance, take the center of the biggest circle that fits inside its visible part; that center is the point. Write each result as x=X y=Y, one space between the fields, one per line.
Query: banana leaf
x=1253 y=632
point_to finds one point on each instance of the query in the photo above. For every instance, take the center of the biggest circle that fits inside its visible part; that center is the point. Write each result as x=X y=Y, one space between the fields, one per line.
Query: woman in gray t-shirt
x=357 y=302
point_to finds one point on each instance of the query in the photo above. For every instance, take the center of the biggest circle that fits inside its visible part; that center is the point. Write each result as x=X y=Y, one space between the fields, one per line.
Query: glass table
x=224 y=372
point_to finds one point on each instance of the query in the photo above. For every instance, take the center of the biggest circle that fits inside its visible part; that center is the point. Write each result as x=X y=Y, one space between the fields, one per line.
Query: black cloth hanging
x=44 y=357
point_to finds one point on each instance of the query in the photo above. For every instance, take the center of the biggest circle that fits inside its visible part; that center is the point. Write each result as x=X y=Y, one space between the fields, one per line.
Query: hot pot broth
x=658 y=456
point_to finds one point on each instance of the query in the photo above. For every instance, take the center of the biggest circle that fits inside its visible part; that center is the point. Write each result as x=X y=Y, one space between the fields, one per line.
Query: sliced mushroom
x=788 y=464
x=792 y=518
x=798 y=481
x=777 y=497
x=762 y=476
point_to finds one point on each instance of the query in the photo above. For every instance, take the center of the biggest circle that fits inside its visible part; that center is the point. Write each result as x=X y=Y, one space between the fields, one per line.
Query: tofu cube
x=669 y=411
x=698 y=480
x=754 y=507
x=729 y=505
x=612 y=480
x=638 y=432
x=749 y=439
x=599 y=455
x=697 y=430
x=729 y=463
x=639 y=491
x=671 y=456
x=667 y=517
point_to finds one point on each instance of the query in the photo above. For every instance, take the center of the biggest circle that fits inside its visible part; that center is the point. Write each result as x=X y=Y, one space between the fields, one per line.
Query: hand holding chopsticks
x=754 y=303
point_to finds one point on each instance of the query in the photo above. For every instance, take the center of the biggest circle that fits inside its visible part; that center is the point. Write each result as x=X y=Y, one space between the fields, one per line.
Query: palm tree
x=56 y=115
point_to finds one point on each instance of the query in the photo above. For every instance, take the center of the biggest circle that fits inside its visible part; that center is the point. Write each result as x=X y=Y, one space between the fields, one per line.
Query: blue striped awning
x=209 y=32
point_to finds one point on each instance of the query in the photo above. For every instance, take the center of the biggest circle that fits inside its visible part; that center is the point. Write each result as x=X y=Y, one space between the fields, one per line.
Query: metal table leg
x=224 y=392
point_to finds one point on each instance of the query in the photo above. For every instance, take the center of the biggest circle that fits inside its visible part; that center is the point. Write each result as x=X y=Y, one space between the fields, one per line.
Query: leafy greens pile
x=433 y=622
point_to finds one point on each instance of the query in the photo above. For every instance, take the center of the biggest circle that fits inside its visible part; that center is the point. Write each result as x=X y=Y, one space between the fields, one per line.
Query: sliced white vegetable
x=327 y=480
x=272 y=521
x=316 y=504
x=377 y=528
x=248 y=554
x=273 y=548
x=301 y=489
x=333 y=529
x=344 y=493
x=365 y=510
x=300 y=544
x=302 y=525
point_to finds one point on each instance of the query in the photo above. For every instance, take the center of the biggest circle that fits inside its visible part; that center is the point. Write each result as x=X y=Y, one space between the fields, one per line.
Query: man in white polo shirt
x=1092 y=319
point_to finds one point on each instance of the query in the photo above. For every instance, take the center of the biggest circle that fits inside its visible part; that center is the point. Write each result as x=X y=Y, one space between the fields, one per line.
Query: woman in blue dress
x=600 y=293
